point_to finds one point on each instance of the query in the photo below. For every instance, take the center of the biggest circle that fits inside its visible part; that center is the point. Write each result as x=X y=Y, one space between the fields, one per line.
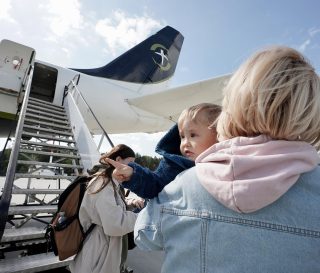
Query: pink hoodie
x=246 y=174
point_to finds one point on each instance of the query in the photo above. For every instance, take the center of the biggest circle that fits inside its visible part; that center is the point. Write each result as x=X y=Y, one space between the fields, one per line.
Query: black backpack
x=65 y=238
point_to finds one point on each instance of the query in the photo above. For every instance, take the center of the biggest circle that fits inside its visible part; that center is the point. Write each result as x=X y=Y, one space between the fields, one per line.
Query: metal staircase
x=47 y=160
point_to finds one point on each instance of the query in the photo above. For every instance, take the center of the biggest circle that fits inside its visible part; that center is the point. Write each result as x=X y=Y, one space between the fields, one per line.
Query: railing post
x=7 y=188
x=74 y=85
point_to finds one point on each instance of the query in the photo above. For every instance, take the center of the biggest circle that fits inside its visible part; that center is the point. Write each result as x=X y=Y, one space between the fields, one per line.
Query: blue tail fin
x=153 y=60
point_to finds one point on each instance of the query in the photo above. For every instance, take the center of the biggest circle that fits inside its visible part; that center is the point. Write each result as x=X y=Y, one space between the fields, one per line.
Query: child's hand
x=136 y=202
x=121 y=172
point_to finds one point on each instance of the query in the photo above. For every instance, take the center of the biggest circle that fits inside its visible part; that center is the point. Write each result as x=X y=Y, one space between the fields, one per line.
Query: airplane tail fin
x=153 y=60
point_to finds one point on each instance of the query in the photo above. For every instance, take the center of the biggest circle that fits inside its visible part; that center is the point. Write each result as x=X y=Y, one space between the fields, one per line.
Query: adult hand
x=122 y=172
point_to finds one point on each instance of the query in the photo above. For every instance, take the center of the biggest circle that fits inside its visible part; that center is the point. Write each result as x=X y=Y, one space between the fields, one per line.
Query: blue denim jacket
x=199 y=235
x=147 y=183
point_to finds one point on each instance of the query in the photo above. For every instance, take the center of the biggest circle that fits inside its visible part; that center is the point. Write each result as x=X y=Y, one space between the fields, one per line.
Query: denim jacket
x=251 y=204
x=147 y=183
x=200 y=235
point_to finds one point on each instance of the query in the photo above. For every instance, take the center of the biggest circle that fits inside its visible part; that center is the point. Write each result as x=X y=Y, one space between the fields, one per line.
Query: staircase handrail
x=11 y=168
x=73 y=85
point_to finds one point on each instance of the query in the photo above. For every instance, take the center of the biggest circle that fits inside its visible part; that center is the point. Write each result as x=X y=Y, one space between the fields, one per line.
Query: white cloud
x=5 y=10
x=62 y=30
x=303 y=47
x=64 y=16
x=121 y=31
x=313 y=31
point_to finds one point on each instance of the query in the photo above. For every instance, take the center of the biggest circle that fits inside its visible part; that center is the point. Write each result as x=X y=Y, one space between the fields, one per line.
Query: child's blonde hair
x=209 y=114
x=276 y=92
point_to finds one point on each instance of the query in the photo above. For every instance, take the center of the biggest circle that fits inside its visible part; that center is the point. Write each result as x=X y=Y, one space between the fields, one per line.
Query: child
x=179 y=148
x=104 y=205
x=251 y=203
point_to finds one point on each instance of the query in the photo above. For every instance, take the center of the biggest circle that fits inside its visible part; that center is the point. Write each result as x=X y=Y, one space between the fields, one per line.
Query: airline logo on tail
x=160 y=50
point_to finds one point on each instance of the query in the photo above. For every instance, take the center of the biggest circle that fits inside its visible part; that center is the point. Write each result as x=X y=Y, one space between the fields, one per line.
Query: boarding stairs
x=52 y=146
x=48 y=160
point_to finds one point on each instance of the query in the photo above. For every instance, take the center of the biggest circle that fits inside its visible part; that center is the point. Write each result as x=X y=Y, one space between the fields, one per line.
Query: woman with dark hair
x=104 y=205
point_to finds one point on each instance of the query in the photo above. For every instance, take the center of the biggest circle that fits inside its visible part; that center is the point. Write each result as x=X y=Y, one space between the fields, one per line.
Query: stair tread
x=24 y=233
x=48 y=145
x=48 y=113
x=29 y=151
x=49 y=137
x=37 y=191
x=39 y=262
x=47 y=130
x=26 y=162
x=49 y=110
x=51 y=125
x=47 y=119
x=41 y=176
x=13 y=210
x=31 y=99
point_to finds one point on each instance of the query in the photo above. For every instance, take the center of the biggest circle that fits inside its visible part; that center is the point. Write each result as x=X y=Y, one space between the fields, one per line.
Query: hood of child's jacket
x=170 y=142
x=169 y=148
x=246 y=174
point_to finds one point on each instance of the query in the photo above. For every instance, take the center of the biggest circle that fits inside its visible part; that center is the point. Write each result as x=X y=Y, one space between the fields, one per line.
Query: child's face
x=195 y=137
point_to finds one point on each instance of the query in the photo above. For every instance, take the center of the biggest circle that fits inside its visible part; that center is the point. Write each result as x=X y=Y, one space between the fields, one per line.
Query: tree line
x=143 y=160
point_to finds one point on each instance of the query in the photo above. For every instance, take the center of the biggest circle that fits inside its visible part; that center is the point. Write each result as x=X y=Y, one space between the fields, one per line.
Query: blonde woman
x=251 y=203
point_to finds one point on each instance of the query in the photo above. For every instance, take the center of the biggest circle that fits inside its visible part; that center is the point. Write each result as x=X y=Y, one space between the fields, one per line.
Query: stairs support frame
x=7 y=190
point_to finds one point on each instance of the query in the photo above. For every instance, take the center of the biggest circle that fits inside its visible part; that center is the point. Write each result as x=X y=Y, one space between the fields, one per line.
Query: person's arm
x=142 y=181
x=148 y=184
x=147 y=232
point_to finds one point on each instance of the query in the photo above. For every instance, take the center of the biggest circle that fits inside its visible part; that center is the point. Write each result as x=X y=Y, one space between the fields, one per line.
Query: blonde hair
x=276 y=92
x=209 y=114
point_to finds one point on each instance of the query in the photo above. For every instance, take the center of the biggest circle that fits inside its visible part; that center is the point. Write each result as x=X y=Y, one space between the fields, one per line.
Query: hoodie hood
x=246 y=174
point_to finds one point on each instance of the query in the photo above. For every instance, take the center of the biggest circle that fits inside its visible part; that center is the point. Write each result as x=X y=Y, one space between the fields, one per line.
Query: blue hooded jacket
x=148 y=184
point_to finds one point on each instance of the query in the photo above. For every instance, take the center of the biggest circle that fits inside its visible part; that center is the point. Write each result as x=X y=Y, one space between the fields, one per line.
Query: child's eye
x=193 y=135
x=181 y=136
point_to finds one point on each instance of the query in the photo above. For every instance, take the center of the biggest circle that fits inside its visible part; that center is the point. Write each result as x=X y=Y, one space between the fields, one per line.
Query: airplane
x=130 y=94
x=55 y=111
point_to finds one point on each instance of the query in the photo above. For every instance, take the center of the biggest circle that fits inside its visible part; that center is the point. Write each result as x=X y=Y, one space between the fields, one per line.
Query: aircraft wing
x=170 y=103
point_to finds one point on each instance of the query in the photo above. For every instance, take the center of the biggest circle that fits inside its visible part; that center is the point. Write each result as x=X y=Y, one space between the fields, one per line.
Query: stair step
x=14 y=210
x=29 y=151
x=43 y=129
x=37 y=191
x=49 y=137
x=61 y=112
x=52 y=164
x=24 y=233
x=47 y=114
x=42 y=118
x=41 y=176
x=33 y=263
x=42 y=144
x=51 y=125
x=42 y=102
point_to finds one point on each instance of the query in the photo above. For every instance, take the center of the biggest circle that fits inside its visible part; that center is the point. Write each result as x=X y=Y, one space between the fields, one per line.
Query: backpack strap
x=88 y=231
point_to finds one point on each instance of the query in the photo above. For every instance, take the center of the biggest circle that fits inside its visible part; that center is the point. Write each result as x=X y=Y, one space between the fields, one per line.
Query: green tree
x=147 y=161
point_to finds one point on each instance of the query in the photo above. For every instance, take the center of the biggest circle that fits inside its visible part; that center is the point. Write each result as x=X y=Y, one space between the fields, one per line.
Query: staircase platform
x=25 y=233
x=41 y=176
x=32 y=209
x=33 y=263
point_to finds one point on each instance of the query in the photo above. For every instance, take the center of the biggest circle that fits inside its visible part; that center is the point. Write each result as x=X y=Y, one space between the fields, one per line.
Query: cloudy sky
x=219 y=35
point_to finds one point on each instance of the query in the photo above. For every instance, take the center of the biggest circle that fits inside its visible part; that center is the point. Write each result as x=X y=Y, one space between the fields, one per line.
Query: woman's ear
x=118 y=158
